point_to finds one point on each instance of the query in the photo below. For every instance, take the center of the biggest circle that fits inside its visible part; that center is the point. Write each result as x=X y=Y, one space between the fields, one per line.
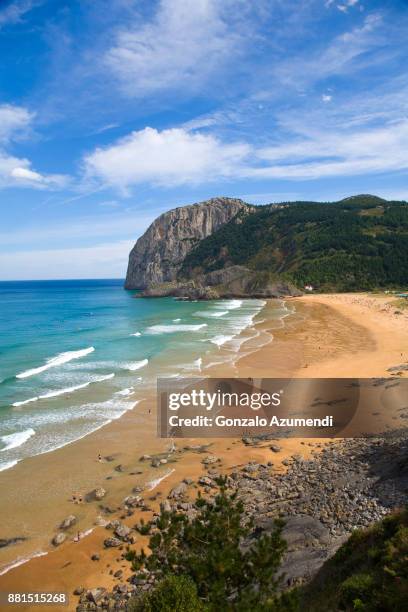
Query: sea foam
x=15 y=440
x=57 y=361
x=137 y=365
x=58 y=392
x=171 y=329
x=220 y=340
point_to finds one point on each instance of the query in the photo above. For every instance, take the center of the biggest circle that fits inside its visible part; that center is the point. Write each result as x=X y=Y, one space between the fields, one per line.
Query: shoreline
x=330 y=335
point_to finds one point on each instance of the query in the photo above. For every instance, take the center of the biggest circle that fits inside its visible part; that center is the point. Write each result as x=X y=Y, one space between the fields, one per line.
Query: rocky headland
x=159 y=253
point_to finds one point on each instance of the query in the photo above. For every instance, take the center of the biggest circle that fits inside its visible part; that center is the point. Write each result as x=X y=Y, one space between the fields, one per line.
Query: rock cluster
x=346 y=485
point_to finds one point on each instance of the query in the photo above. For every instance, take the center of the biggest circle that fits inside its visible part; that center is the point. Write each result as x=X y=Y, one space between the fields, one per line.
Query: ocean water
x=74 y=355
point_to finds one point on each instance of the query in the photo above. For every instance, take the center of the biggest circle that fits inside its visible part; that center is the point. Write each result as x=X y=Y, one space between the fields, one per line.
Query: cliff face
x=159 y=253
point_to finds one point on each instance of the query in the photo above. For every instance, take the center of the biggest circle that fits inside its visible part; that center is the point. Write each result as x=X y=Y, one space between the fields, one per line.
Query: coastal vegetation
x=359 y=243
x=212 y=562
x=369 y=573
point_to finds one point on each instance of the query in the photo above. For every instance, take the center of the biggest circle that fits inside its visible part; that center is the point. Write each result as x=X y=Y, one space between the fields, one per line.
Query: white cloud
x=174 y=157
x=183 y=44
x=15 y=122
x=321 y=153
x=347 y=53
x=326 y=98
x=344 y=7
x=13 y=119
x=171 y=157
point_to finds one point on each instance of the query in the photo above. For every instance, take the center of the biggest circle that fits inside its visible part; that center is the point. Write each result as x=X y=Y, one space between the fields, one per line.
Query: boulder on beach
x=68 y=522
x=112 y=542
x=99 y=493
x=59 y=538
x=8 y=541
x=209 y=460
x=96 y=595
x=178 y=491
x=122 y=531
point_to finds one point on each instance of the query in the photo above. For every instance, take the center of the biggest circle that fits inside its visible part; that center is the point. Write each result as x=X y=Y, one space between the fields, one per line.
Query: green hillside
x=357 y=243
x=368 y=573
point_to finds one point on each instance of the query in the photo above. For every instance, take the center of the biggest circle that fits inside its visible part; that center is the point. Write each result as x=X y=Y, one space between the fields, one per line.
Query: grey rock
x=59 y=538
x=68 y=522
x=178 y=491
x=99 y=493
x=112 y=542
x=158 y=254
x=9 y=541
x=78 y=590
x=122 y=531
x=96 y=595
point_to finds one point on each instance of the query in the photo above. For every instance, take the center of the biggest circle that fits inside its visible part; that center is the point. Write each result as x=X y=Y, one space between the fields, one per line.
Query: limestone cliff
x=159 y=253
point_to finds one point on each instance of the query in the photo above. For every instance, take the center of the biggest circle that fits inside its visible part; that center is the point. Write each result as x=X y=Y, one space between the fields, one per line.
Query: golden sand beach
x=337 y=335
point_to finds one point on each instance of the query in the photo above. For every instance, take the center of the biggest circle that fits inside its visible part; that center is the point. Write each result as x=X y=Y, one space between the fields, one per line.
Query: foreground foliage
x=217 y=555
x=369 y=573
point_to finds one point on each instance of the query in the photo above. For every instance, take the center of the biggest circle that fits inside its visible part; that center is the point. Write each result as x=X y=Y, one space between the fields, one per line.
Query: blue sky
x=112 y=111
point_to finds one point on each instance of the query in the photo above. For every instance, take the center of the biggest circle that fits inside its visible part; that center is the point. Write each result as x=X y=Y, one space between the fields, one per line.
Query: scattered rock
x=98 y=493
x=59 y=538
x=122 y=531
x=209 y=460
x=112 y=542
x=78 y=590
x=205 y=481
x=96 y=595
x=9 y=541
x=95 y=557
x=178 y=491
x=68 y=522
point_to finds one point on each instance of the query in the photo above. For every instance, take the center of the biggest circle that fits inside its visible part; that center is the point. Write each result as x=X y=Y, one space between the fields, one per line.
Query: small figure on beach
x=77 y=537
x=74 y=499
x=99 y=457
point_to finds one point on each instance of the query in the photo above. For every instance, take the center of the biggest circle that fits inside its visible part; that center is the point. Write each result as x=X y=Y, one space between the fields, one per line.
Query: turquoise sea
x=75 y=355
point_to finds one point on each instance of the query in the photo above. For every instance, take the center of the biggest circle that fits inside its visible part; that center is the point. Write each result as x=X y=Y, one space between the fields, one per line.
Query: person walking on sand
x=99 y=457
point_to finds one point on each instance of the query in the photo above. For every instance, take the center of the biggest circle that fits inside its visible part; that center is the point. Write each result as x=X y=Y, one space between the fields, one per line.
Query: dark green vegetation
x=368 y=573
x=217 y=563
x=212 y=563
x=355 y=244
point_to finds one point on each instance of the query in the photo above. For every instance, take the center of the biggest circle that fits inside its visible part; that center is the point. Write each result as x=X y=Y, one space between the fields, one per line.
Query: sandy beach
x=337 y=335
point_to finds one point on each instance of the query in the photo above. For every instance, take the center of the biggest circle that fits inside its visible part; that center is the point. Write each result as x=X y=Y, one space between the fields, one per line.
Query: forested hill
x=357 y=243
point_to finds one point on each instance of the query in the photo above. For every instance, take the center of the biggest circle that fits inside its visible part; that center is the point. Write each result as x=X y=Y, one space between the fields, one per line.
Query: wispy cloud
x=13 y=12
x=183 y=44
x=176 y=156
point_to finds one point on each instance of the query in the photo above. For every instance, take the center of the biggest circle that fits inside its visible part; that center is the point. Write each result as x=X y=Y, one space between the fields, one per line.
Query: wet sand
x=327 y=336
